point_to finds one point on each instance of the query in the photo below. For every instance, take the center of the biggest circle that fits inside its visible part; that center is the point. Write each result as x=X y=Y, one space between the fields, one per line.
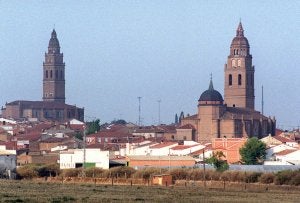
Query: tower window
x=56 y=74
x=230 y=80
x=239 y=63
x=240 y=79
x=61 y=75
x=46 y=74
x=50 y=73
x=237 y=52
x=233 y=63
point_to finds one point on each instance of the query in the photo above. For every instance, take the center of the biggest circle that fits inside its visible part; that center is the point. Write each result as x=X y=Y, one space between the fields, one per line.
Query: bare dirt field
x=39 y=191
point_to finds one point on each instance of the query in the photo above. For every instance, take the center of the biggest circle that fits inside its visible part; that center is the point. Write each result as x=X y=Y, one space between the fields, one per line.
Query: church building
x=53 y=106
x=235 y=116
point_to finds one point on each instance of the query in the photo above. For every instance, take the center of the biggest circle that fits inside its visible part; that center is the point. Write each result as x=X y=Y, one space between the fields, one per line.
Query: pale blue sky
x=116 y=51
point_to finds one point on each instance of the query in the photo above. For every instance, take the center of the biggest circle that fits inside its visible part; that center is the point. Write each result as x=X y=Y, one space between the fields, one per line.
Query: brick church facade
x=53 y=106
x=235 y=116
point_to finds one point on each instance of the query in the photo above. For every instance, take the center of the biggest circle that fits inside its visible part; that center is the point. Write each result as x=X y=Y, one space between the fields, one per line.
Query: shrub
x=71 y=172
x=252 y=177
x=94 y=172
x=267 y=178
x=179 y=173
x=146 y=173
x=122 y=171
x=195 y=174
x=296 y=179
x=49 y=170
x=28 y=172
x=284 y=177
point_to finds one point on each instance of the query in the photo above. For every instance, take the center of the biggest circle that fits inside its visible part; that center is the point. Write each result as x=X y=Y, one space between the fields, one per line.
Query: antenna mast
x=262 y=99
x=139 y=98
x=159 y=111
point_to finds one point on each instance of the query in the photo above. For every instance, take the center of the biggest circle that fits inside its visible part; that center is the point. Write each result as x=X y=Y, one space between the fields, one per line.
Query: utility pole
x=139 y=98
x=84 y=151
x=204 y=175
x=159 y=111
x=262 y=99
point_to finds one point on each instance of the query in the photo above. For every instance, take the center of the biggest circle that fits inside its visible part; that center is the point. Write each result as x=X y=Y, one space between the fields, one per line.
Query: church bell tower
x=54 y=72
x=239 y=73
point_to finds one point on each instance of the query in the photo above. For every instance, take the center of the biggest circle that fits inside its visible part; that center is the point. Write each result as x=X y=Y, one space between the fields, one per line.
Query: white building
x=275 y=149
x=8 y=163
x=74 y=158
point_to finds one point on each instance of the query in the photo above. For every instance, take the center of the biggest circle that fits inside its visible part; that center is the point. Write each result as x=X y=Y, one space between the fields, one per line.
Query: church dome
x=211 y=95
x=240 y=40
x=53 y=42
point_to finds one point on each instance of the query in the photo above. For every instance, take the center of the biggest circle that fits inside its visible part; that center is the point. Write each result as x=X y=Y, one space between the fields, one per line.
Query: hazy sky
x=116 y=51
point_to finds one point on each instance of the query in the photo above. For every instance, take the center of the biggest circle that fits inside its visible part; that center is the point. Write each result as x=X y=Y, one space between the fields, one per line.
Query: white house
x=288 y=157
x=162 y=149
x=275 y=149
x=74 y=158
x=182 y=150
x=8 y=163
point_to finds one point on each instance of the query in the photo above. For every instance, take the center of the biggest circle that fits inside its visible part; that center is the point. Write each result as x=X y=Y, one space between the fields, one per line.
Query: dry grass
x=33 y=191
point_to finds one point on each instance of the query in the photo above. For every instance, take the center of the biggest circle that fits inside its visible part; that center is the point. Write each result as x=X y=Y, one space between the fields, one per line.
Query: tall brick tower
x=54 y=72
x=239 y=73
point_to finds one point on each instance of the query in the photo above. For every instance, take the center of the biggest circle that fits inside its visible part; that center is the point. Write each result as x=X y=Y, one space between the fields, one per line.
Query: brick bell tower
x=239 y=73
x=54 y=72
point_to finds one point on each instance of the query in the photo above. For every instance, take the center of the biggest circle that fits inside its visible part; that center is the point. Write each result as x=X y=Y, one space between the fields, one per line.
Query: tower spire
x=240 y=30
x=211 y=86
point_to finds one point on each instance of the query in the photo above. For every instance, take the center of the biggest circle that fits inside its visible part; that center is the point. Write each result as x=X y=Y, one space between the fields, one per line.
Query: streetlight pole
x=84 y=151
x=139 y=98
x=159 y=111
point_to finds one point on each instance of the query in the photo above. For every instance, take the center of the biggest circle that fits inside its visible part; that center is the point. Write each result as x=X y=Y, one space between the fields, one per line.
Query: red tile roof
x=187 y=126
x=285 y=152
x=283 y=139
x=278 y=132
x=181 y=147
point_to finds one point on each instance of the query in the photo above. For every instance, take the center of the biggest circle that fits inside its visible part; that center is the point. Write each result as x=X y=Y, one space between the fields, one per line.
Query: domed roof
x=211 y=94
x=240 y=39
x=53 y=42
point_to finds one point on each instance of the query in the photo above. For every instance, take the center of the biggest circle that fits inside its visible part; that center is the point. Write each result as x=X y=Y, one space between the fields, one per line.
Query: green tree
x=253 y=152
x=93 y=126
x=217 y=161
x=120 y=122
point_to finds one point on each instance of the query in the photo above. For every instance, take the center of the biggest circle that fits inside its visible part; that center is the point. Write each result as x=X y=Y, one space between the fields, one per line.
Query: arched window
x=234 y=52
x=56 y=74
x=240 y=79
x=230 y=80
x=237 y=52
x=46 y=74
x=50 y=73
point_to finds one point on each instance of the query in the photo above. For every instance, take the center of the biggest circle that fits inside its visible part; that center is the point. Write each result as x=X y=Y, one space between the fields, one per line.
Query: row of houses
x=128 y=144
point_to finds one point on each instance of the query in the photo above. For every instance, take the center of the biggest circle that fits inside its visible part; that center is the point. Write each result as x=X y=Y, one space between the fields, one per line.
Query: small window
x=230 y=80
x=240 y=79
x=56 y=74
x=46 y=74
x=50 y=73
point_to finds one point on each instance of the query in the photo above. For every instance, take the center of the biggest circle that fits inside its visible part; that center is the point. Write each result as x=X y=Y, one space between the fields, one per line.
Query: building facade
x=234 y=117
x=53 y=106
